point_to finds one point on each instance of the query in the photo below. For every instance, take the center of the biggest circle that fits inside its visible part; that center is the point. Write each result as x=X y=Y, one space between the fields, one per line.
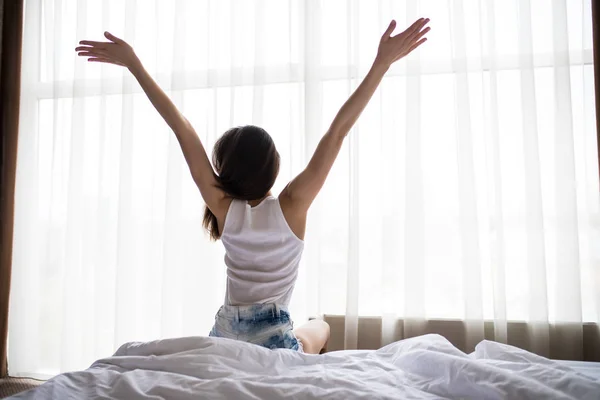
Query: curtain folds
x=596 y=43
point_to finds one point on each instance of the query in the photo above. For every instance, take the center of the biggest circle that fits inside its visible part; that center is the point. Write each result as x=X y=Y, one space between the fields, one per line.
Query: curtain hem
x=567 y=341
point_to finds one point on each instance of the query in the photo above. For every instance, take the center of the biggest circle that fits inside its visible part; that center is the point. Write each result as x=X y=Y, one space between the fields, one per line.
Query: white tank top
x=262 y=254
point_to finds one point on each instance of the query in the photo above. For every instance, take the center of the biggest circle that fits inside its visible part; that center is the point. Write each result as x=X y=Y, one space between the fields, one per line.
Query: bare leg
x=313 y=335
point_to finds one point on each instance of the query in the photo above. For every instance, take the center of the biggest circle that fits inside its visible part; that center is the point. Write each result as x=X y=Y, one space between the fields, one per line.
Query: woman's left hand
x=117 y=51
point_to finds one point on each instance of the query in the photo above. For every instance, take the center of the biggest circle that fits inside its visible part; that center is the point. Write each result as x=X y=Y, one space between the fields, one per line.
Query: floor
x=12 y=386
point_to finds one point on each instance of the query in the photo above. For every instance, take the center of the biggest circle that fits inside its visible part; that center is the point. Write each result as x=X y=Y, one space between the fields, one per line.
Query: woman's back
x=261 y=253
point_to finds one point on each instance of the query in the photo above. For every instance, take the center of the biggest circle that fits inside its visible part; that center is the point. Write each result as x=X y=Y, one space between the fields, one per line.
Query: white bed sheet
x=425 y=367
x=591 y=369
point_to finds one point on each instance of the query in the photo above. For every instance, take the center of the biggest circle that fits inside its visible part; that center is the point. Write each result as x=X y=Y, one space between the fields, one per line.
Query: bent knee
x=324 y=332
x=314 y=335
x=325 y=328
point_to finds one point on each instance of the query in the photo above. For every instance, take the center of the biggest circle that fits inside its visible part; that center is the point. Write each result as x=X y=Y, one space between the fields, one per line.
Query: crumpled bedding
x=425 y=367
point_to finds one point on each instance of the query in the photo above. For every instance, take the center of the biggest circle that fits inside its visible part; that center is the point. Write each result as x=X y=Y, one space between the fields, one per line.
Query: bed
x=424 y=367
x=590 y=369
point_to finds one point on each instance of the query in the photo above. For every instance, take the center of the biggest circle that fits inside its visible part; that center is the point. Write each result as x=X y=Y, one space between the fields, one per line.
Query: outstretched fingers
x=419 y=35
x=416 y=26
x=96 y=55
x=92 y=43
x=90 y=48
x=113 y=38
x=105 y=60
x=389 y=30
x=90 y=52
x=414 y=46
x=115 y=51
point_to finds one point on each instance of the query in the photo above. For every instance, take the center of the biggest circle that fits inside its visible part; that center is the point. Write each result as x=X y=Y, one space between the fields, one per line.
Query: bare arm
x=301 y=191
x=118 y=52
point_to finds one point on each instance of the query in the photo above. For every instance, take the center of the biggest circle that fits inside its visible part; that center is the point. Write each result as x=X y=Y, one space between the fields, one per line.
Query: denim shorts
x=267 y=325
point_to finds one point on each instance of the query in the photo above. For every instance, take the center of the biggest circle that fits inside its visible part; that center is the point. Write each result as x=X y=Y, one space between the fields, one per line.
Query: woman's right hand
x=117 y=51
x=393 y=48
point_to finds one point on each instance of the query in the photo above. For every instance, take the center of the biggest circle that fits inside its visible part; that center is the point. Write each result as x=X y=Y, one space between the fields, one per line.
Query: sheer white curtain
x=468 y=190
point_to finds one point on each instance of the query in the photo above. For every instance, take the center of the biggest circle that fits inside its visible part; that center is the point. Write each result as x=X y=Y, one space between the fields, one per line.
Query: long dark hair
x=247 y=164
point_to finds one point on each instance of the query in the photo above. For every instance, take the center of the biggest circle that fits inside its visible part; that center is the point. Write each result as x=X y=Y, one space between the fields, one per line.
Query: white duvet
x=425 y=367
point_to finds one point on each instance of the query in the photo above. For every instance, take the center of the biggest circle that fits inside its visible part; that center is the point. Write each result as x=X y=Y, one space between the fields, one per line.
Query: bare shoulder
x=294 y=215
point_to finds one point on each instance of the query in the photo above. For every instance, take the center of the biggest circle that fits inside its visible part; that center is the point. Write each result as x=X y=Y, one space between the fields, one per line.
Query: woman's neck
x=254 y=203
